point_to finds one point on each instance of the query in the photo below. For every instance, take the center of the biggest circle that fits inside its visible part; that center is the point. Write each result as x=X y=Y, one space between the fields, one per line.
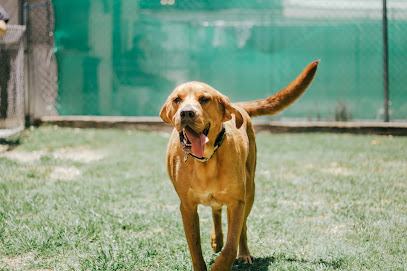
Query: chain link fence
x=124 y=57
x=41 y=63
x=12 y=81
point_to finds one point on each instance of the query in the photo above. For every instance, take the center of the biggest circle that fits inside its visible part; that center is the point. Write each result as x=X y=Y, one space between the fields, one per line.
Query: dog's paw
x=217 y=244
x=247 y=259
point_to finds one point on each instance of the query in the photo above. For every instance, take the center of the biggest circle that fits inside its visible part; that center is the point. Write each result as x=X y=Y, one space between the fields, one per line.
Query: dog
x=211 y=160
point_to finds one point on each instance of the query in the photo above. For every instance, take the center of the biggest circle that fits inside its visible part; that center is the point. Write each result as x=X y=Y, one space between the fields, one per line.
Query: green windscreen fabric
x=125 y=57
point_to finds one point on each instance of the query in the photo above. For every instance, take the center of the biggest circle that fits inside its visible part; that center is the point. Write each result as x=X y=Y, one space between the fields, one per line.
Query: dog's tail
x=284 y=97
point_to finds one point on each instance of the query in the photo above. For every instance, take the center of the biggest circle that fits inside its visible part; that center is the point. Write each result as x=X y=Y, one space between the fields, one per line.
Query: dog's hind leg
x=216 y=233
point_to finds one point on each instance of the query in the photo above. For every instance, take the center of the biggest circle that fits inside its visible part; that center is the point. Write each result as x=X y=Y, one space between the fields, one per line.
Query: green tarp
x=125 y=57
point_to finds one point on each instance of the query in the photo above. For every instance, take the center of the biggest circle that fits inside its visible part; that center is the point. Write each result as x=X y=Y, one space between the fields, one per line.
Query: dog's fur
x=228 y=177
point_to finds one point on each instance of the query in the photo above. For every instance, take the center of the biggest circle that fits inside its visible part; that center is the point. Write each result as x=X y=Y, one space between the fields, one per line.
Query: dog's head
x=197 y=111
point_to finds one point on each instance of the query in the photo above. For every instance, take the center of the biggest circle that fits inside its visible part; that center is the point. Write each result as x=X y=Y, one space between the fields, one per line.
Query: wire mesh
x=42 y=66
x=124 y=57
x=12 y=81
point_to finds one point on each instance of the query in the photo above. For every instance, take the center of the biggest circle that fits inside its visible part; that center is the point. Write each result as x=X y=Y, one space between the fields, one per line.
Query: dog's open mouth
x=194 y=142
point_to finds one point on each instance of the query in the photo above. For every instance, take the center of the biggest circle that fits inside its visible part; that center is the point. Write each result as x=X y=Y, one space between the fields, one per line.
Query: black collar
x=218 y=143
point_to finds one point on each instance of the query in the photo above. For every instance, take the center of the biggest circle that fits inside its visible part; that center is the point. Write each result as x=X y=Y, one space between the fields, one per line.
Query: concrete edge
x=156 y=124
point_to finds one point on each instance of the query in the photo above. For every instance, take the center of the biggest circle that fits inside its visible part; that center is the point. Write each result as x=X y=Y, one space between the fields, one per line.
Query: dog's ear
x=229 y=109
x=166 y=111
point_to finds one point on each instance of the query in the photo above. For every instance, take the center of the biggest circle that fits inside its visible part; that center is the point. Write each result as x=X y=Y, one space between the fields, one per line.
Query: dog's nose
x=187 y=112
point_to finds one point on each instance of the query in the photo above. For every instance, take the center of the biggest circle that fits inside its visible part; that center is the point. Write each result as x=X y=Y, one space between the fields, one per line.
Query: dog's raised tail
x=284 y=97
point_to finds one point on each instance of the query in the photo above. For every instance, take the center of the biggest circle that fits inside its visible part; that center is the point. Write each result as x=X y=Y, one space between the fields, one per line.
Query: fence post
x=27 y=80
x=385 y=64
x=41 y=67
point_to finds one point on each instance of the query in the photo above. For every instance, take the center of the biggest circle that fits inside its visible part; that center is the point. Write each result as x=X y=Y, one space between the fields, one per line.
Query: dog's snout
x=187 y=112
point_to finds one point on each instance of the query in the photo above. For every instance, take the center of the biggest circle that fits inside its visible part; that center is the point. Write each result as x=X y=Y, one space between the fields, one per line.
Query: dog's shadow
x=259 y=264
x=264 y=263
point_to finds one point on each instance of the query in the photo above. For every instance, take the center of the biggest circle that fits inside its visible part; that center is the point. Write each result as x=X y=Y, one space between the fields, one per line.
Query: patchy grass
x=84 y=199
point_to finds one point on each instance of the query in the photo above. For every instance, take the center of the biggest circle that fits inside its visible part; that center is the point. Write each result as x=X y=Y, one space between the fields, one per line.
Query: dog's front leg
x=235 y=213
x=190 y=220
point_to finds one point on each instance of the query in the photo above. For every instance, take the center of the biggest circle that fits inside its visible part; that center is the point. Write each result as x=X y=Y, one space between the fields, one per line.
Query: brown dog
x=204 y=120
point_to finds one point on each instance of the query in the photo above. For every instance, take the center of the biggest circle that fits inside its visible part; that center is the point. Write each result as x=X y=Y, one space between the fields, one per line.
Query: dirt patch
x=20 y=263
x=3 y=148
x=171 y=207
x=149 y=234
x=338 y=229
x=65 y=173
x=22 y=156
x=294 y=204
x=337 y=170
x=81 y=154
x=316 y=218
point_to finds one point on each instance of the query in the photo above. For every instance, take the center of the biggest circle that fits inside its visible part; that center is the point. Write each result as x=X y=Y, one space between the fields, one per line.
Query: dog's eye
x=177 y=100
x=203 y=100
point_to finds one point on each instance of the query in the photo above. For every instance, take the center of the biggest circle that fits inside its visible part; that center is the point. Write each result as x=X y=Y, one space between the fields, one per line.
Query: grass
x=84 y=199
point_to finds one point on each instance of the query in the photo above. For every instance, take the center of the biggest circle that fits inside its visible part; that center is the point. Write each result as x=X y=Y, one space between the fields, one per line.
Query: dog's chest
x=207 y=199
x=206 y=189
x=206 y=183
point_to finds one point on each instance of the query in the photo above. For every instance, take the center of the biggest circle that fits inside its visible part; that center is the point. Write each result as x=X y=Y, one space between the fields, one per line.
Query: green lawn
x=85 y=199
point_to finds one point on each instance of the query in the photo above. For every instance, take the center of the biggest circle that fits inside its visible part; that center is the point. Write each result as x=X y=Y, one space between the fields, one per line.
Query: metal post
x=27 y=72
x=385 y=64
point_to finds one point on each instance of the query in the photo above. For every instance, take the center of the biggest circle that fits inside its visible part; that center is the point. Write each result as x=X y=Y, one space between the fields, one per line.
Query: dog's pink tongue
x=198 y=142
